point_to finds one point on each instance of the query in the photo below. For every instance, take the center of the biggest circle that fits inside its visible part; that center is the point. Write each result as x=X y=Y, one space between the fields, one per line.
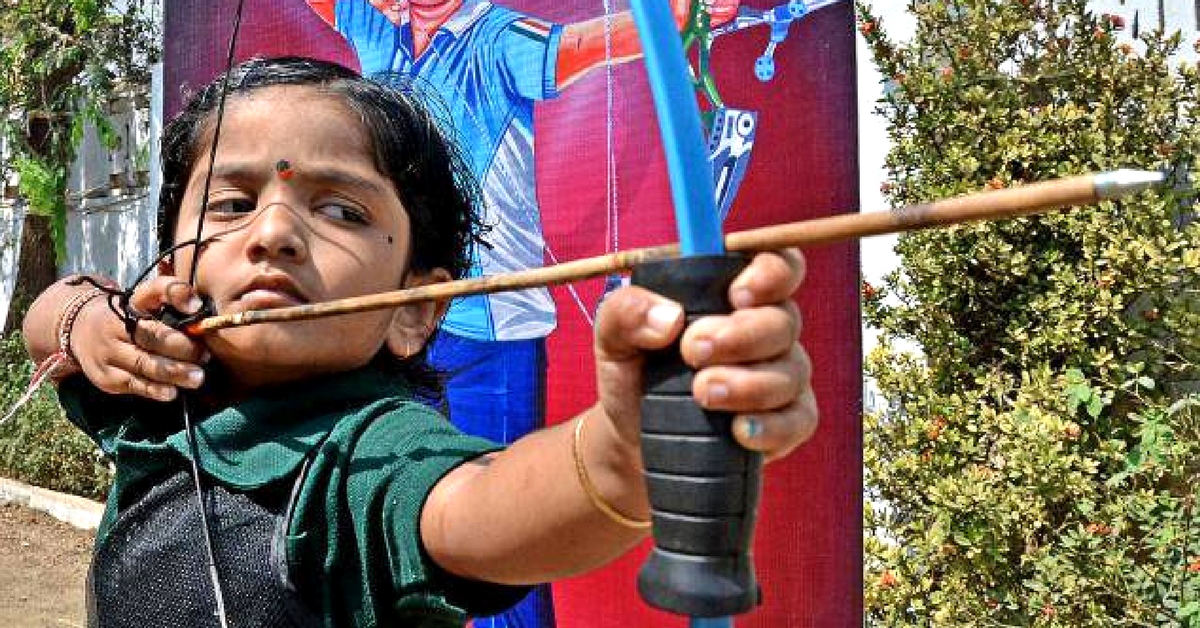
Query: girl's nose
x=278 y=233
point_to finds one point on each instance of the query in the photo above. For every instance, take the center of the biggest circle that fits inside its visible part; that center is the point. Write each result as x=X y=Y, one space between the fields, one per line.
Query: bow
x=700 y=565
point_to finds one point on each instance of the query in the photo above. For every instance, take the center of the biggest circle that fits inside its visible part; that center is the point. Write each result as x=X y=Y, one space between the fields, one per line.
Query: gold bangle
x=590 y=489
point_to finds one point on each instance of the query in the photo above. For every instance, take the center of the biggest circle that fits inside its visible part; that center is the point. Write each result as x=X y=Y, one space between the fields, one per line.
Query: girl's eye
x=343 y=213
x=231 y=206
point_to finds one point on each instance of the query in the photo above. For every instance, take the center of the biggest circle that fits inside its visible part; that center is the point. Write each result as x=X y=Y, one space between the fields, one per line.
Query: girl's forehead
x=286 y=101
x=287 y=122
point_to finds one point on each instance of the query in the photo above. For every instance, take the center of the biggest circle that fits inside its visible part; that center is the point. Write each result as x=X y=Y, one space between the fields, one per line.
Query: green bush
x=39 y=445
x=1038 y=462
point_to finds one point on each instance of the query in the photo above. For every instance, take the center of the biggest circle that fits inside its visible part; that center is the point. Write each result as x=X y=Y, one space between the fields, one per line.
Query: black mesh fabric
x=151 y=569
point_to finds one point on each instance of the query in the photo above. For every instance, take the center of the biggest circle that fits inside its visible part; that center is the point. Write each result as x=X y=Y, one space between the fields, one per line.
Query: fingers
x=750 y=361
x=777 y=433
x=156 y=369
x=632 y=319
x=774 y=399
x=770 y=278
x=758 y=387
x=157 y=338
x=743 y=336
x=125 y=383
x=154 y=293
x=156 y=361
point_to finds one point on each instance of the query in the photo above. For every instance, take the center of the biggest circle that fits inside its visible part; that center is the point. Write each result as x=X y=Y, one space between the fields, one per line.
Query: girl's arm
x=161 y=359
x=522 y=515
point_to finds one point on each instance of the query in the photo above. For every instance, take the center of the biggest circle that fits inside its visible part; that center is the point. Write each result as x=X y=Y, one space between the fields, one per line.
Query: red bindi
x=284 y=169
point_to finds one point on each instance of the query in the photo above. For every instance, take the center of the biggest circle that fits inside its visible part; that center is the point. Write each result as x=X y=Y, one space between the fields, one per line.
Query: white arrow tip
x=1117 y=183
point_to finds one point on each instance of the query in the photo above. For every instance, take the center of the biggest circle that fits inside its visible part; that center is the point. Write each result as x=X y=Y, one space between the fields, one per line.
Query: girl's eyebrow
x=249 y=171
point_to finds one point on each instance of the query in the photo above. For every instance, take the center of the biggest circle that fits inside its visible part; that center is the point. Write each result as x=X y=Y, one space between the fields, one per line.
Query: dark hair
x=431 y=178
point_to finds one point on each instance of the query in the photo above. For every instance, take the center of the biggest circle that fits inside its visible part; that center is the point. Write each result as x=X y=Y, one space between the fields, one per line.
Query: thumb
x=165 y=290
x=631 y=320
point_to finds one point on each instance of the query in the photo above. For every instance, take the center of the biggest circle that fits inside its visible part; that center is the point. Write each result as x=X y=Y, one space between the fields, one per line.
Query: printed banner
x=567 y=150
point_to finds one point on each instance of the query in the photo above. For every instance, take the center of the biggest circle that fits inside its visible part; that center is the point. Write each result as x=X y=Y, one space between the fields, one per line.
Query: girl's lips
x=262 y=299
x=269 y=290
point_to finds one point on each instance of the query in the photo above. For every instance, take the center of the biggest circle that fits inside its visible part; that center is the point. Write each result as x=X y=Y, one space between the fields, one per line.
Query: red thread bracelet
x=66 y=322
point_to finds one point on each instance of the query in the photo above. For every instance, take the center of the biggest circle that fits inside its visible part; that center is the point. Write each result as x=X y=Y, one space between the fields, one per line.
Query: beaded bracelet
x=590 y=489
x=66 y=322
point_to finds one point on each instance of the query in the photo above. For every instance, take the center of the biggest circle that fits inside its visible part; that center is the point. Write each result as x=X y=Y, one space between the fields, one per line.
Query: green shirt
x=353 y=543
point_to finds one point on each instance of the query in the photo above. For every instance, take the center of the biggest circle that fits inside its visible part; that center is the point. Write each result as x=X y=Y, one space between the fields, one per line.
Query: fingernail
x=195 y=377
x=717 y=393
x=751 y=428
x=703 y=350
x=741 y=297
x=194 y=304
x=165 y=394
x=662 y=317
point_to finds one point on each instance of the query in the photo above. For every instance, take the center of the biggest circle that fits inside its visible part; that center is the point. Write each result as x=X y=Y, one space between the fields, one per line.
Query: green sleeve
x=367 y=533
x=98 y=414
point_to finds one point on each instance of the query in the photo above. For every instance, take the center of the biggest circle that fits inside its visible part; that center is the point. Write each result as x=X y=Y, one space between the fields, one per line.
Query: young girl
x=334 y=498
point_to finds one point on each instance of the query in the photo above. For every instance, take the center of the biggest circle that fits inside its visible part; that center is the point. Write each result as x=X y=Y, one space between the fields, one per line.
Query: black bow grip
x=703 y=486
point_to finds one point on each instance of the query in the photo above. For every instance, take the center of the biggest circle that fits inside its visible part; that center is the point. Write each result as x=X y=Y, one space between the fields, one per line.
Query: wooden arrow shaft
x=990 y=205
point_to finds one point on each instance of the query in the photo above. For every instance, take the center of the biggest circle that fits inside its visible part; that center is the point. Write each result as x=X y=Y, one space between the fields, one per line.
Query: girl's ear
x=413 y=324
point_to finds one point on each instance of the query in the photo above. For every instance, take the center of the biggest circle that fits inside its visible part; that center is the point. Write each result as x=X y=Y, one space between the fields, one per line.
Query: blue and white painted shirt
x=488 y=64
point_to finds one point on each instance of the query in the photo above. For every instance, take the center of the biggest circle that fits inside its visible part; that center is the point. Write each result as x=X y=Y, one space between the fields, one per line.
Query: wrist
x=75 y=317
x=619 y=445
x=609 y=466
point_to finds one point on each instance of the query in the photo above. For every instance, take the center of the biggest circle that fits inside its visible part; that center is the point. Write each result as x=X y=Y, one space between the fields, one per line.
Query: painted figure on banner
x=489 y=64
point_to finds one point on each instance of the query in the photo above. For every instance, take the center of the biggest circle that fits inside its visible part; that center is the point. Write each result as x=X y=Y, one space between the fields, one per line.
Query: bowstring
x=610 y=160
x=188 y=425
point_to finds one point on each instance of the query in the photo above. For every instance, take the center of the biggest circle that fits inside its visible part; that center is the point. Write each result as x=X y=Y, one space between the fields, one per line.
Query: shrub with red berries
x=1036 y=462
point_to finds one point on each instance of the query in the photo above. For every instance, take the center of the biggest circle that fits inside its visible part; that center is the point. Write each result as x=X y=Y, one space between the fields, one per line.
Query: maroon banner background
x=808 y=547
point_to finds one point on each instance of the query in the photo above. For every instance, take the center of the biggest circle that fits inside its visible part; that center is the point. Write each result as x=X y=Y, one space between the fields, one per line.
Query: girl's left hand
x=749 y=362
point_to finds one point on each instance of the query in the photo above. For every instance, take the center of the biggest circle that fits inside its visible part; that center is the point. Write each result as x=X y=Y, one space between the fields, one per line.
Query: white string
x=587 y=315
x=40 y=376
x=529 y=213
x=610 y=160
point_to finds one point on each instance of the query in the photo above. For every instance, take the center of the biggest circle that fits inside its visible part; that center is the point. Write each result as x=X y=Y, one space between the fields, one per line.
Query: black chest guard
x=151 y=569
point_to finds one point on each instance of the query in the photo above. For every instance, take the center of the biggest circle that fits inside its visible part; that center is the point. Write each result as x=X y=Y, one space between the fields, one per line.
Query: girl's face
x=300 y=215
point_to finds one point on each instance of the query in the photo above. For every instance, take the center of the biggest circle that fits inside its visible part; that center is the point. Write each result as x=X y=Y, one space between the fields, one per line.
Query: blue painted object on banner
x=679 y=125
x=779 y=18
x=730 y=143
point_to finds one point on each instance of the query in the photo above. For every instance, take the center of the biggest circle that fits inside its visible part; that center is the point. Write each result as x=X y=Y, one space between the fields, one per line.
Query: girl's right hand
x=157 y=361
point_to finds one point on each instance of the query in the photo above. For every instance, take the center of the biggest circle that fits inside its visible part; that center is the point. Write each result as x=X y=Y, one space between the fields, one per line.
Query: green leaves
x=58 y=67
x=1079 y=393
x=39 y=445
x=1037 y=462
x=44 y=186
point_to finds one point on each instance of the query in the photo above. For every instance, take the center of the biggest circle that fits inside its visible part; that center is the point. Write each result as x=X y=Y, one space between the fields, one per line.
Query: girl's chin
x=260 y=356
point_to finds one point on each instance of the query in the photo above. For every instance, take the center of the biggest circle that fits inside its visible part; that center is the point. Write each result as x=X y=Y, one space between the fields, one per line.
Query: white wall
x=11 y=215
